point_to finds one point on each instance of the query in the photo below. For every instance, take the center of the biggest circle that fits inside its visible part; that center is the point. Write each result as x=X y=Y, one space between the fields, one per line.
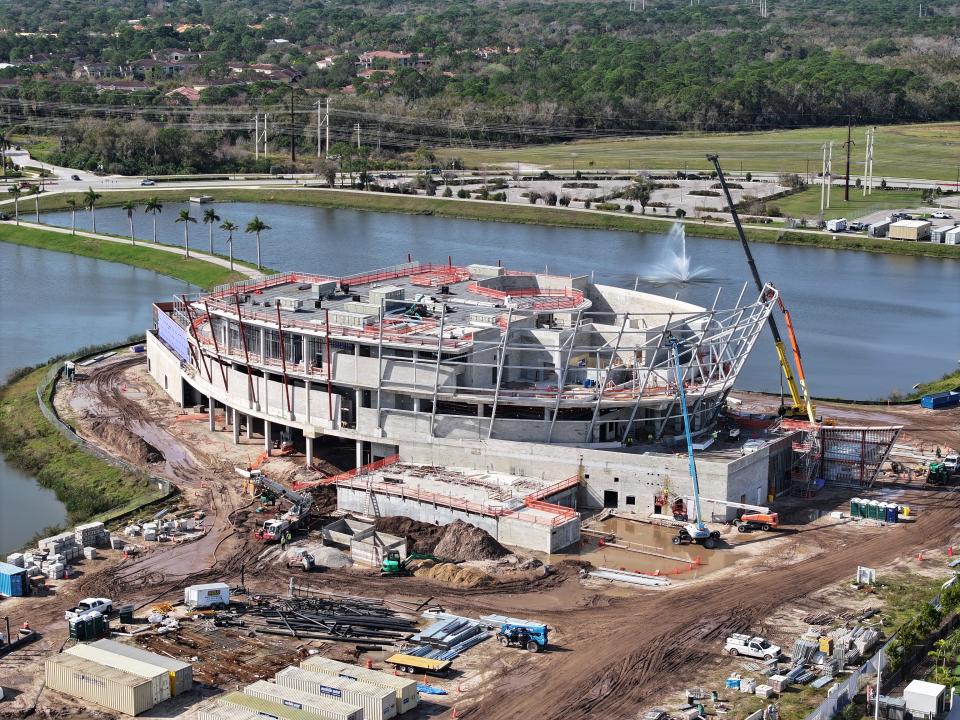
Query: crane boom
x=802 y=402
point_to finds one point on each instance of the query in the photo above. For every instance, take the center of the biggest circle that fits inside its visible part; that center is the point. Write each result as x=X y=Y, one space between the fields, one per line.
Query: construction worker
x=283 y=542
x=288 y=537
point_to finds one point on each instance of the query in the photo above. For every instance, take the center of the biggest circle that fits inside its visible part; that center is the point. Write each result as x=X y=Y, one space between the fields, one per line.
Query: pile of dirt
x=421 y=537
x=452 y=574
x=131 y=446
x=462 y=541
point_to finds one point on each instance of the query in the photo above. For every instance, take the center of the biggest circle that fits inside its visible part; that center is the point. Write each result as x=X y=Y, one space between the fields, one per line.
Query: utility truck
x=274 y=529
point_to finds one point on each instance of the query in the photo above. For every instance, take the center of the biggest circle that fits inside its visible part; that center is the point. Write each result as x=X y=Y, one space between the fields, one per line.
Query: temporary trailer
x=915 y=230
x=208 y=595
x=405 y=689
x=105 y=686
x=13 y=580
x=879 y=229
x=181 y=673
x=952 y=237
x=378 y=703
x=243 y=704
x=323 y=705
x=158 y=677
x=939 y=235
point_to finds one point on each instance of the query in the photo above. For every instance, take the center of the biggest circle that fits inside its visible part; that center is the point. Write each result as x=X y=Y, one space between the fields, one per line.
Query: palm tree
x=230 y=227
x=185 y=218
x=257 y=226
x=209 y=218
x=130 y=206
x=153 y=206
x=15 y=191
x=90 y=202
x=35 y=191
x=72 y=204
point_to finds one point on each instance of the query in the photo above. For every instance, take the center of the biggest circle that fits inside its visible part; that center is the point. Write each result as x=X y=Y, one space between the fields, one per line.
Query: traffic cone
x=369 y=664
x=454 y=713
x=459 y=689
x=920 y=556
x=950 y=551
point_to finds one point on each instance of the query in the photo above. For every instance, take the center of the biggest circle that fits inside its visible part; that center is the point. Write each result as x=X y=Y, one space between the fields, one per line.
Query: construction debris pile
x=159 y=529
x=335 y=617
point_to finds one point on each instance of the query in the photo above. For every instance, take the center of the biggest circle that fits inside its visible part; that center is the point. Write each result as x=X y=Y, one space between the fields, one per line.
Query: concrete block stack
x=15 y=559
x=91 y=535
x=63 y=544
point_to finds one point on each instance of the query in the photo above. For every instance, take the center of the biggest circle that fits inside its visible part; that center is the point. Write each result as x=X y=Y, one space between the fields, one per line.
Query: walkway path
x=195 y=254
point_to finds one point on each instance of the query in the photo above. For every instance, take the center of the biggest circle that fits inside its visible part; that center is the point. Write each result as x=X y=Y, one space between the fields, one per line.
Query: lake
x=53 y=303
x=868 y=324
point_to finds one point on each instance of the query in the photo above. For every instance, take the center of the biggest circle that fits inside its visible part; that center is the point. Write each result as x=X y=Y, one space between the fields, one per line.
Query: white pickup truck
x=103 y=605
x=756 y=647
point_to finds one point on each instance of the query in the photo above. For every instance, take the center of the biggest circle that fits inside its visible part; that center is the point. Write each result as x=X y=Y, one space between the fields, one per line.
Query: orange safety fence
x=348 y=474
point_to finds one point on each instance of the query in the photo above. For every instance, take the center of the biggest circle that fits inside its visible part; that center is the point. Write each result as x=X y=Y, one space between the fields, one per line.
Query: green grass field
x=192 y=270
x=807 y=203
x=929 y=151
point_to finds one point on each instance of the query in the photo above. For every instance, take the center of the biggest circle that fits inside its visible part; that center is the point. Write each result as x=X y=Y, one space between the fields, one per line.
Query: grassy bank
x=926 y=151
x=86 y=485
x=524 y=214
x=949 y=381
x=192 y=270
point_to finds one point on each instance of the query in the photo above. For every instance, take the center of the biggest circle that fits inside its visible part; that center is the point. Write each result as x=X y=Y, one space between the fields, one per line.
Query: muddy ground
x=617 y=651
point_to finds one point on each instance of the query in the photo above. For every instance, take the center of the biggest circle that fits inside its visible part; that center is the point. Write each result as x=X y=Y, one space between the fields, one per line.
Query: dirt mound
x=421 y=537
x=131 y=446
x=452 y=574
x=462 y=541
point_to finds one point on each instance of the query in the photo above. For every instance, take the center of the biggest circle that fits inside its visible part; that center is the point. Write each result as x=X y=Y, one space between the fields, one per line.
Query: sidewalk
x=250 y=273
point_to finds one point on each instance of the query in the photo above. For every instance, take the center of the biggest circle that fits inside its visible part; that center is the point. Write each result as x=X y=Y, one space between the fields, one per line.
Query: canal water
x=867 y=324
x=53 y=303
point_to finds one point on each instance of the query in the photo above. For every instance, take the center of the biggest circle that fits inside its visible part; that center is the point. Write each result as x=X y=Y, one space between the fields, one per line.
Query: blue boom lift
x=695 y=532
x=514 y=632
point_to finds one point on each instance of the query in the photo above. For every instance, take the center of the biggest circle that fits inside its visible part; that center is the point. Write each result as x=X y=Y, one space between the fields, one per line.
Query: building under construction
x=478 y=367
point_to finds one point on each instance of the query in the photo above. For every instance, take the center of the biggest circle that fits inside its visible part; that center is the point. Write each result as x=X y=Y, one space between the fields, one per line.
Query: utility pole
x=358 y=136
x=256 y=136
x=324 y=122
x=823 y=181
x=829 y=172
x=849 y=144
x=293 y=145
x=866 y=162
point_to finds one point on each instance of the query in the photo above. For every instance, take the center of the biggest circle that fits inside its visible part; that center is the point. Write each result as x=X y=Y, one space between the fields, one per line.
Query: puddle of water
x=680 y=561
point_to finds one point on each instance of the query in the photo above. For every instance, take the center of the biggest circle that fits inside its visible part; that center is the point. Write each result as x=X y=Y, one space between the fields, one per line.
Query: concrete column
x=263 y=349
x=308 y=385
x=266 y=436
x=309 y=451
x=416 y=404
x=249 y=420
x=359 y=453
x=546 y=414
x=211 y=412
x=480 y=410
x=236 y=426
x=306 y=362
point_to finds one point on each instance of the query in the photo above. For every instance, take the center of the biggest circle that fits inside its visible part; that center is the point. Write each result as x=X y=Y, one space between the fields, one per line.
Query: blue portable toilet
x=891 y=512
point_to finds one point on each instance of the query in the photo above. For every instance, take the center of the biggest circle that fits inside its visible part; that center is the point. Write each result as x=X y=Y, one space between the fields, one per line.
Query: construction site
x=442 y=490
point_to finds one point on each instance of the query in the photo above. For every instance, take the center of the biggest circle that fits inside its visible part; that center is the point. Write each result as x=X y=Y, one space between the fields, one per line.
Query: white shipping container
x=323 y=705
x=208 y=595
x=378 y=703
x=265 y=708
x=406 y=690
x=105 y=686
x=181 y=673
x=158 y=677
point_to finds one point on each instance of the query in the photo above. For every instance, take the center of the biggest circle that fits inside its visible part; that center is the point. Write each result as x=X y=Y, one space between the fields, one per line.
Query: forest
x=549 y=70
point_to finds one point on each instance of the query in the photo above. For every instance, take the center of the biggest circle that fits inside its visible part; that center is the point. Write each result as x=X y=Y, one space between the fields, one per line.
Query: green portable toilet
x=875 y=510
x=855 y=507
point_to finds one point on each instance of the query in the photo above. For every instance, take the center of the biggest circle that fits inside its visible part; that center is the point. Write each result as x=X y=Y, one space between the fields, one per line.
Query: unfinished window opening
x=631 y=500
x=611 y=499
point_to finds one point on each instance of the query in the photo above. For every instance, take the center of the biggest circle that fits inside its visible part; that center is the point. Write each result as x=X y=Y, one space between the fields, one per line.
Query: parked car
x=655 y=714
x=4 y=216
x=147 y=182
x=941 y=215
x=855 y=226
x=75 y=178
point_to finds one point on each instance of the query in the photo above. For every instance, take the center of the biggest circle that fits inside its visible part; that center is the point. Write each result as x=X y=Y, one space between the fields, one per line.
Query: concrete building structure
x=477 y=367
